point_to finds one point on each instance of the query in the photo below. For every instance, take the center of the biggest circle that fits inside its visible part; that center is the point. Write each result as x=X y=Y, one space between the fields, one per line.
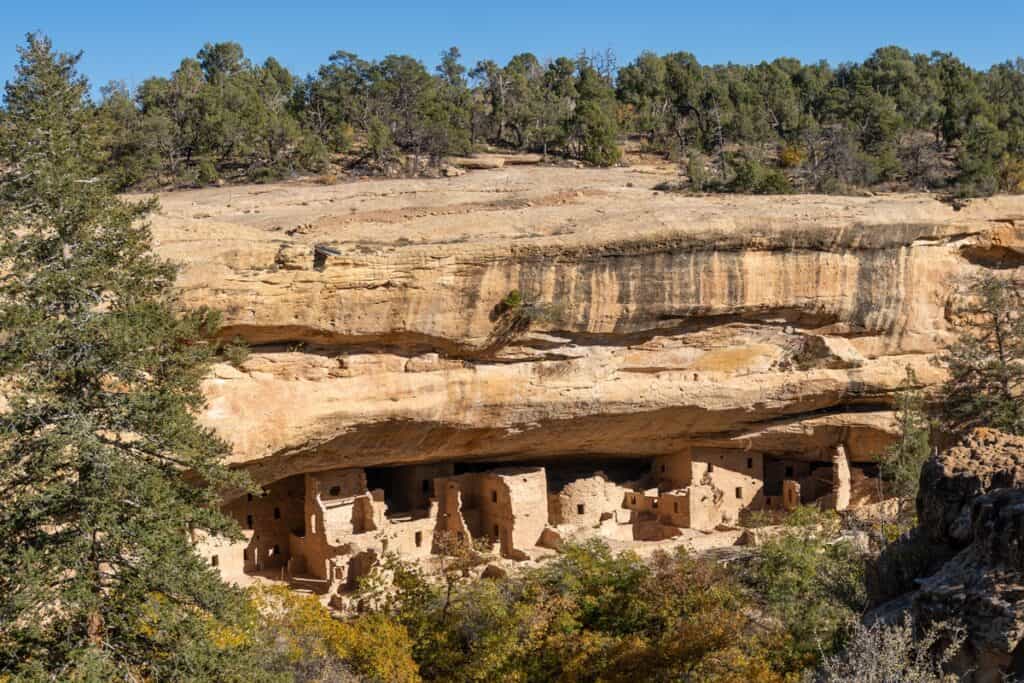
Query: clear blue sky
x=133 y=40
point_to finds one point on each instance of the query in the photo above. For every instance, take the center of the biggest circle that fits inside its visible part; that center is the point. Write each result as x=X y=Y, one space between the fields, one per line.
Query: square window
x=335 y=491
x=580 y=509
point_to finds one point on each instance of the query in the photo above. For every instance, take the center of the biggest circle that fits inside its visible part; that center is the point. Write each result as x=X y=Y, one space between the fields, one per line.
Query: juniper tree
x=594 y=126
x=98 y=579
x=986 y=364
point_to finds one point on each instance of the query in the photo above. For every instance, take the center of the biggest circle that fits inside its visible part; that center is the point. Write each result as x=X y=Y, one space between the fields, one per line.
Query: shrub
x=312 y=154
x=814 y=586
x=813 y=516
x=236 y=352
x=206 y=172
x=901 y=466
x=753 y=177
x=697 y=172
x=790 y=156
x=590 y=614
x=1011 y=175
x=308 y=644
x=514 y=299
x=881 y=653
x=269 y=173
x=380 y=144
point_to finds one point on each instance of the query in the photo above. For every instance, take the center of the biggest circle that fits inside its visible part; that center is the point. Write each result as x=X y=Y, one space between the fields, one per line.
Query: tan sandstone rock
x=662 y=321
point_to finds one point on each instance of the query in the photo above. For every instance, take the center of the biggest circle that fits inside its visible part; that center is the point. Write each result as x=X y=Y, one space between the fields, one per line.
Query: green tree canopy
x=986 y=364
x=98 y=577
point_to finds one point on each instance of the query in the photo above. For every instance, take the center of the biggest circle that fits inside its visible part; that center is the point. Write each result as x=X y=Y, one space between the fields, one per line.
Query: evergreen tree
x=901 y=466
x=986 y=364
x=594 y=124
x=98 y=578
x=450 y=112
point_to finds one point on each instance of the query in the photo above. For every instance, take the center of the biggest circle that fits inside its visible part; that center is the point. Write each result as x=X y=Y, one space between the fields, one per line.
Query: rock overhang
x=784 y=324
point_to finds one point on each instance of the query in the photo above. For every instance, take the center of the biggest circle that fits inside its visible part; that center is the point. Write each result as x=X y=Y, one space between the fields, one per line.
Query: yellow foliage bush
x=1011 y=174
x=790 y=156
x=373 y=646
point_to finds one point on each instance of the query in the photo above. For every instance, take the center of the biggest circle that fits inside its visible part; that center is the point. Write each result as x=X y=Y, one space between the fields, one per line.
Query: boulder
x=522 y=159
x=964 y=563
x=550 y=538
x=758 y=536
x=493 y=571
x=478 y=162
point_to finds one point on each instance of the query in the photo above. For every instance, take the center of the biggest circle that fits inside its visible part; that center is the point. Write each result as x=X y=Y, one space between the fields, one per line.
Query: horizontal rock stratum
x=779 y=324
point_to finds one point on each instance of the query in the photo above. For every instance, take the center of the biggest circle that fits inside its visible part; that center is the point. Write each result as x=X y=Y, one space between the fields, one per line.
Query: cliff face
x=780 y=324
x=964 y=563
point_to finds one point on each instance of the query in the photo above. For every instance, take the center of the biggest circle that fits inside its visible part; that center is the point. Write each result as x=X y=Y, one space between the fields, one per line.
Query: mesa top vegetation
x=895 y=121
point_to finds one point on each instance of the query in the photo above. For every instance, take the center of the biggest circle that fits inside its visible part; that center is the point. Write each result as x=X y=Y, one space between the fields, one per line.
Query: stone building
x=328 y=528
x=508 y=506
x=702 y=488
x=323 y=530
x=588 y=502
x=270 y=516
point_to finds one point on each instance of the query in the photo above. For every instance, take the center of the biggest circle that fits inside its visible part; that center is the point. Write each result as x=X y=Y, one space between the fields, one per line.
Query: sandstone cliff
x=776 y=324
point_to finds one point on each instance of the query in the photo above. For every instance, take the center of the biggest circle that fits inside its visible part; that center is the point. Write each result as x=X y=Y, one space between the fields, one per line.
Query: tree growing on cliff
x=986 y=364
x=98 y=579
x=901 y=466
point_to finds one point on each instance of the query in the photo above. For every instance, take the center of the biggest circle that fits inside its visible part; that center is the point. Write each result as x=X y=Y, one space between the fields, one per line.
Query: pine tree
x=901 y=466
x=98 y=579
x=986 y=364
x=594 y=123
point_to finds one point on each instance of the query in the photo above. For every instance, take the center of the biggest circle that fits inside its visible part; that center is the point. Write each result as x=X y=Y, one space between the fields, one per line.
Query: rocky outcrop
x=657 y=321
x=964 y=563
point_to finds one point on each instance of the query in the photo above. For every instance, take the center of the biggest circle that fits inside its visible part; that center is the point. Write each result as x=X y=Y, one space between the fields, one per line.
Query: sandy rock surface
x=781 y=324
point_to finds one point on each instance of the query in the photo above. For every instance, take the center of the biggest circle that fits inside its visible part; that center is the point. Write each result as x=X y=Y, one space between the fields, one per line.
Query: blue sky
x=133 y=40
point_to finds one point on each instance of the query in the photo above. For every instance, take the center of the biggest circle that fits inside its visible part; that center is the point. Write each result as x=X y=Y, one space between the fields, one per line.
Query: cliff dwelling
x=323 y=530
x=670 y=368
